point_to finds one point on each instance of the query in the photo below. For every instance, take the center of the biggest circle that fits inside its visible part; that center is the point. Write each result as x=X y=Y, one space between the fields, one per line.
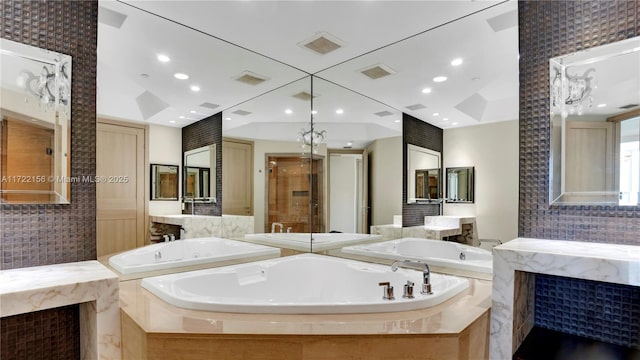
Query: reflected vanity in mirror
x=35 y=125
x=595 y=112
x=199 y=165
x=423 y=175
x=164 y=182
x=460 y=187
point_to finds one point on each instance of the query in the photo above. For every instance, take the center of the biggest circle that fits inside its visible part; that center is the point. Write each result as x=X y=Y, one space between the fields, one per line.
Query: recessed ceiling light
x=445 y=119
x=182 y=117
x=172 y=121
x=440 y=78
x=339 y=111
x=227 y=118
x=193 y=112
x=349 y=143
x=163 y=58
x=456 y=62
x=314 y=112
x=181 y=76
x=195 y=88
x=602 y=105
x=436 y=114
x=426 y=90
x=454 y=123
x=396 y=121
x=288 y=111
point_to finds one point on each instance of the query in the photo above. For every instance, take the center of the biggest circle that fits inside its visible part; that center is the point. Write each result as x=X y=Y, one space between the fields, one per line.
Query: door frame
x=362 y=152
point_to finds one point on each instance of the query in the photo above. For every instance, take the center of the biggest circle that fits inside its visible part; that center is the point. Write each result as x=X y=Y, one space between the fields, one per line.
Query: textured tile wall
x=33 y=235
x=48 y=234
x=548 y=29
x=202 y=133
x=417 y=132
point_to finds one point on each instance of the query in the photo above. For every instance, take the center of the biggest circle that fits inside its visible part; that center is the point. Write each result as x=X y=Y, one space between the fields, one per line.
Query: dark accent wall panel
x=202 y=133
x=41 y=335
x=548 y=29
x=33 y=235
x=420 y=133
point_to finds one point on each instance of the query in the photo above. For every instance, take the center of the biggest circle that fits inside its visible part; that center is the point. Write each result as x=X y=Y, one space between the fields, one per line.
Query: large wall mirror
x=595 y=125
x=424 y=178
x=199 y=174
x=35 y=125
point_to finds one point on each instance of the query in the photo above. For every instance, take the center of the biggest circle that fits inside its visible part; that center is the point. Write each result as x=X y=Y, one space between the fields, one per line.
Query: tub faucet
x=273 y=227
x=426 y=273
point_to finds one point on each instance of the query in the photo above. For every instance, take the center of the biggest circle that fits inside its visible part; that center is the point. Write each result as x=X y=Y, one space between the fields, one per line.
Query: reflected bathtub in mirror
x=35 y=125
x=445 y=254
x=211 y=251
x=595 y=137
x=300 y=284
x=164 y=182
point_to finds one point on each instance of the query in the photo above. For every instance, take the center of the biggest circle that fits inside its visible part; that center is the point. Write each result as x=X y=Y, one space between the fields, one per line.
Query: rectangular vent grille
x=377 y=71
x=630 y=106
x=110 y=17
x=242 y=112
x=322 y=45
x=250 y=78
x=209 y=105
x=416 y=107
x=383 y=113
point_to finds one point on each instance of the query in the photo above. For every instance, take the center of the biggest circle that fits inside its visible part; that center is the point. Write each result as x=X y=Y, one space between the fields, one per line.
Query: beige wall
x=385 y=159
x=493 y=150
x=165 y=147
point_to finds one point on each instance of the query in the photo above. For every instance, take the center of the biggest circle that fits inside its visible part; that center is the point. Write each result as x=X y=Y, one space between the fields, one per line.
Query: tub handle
x=408 y=290
x=387 y=291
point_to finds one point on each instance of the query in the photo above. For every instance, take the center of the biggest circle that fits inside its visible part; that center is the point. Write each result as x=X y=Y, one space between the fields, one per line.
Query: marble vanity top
x=594 y=261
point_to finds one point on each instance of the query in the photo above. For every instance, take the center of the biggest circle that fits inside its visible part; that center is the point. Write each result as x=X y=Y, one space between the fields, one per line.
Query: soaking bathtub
x=187 y=252
x=434 y=252
x=318 y=241
x=300 y=284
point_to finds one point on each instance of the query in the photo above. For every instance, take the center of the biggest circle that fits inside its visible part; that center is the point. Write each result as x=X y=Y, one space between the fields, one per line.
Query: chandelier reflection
x=311 y=139
x=51 y=86
x=572 y=93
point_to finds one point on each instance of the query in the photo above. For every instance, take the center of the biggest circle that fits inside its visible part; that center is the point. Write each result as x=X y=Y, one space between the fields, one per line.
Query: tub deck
x=457 y=328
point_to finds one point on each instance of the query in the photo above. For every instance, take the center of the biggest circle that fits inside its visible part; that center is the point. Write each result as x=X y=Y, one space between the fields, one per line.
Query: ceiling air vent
x=629 y=106
x=416 y=107
x=383 y=113
x=303 y=95
x=322 y=43
x=250 y=78
x=377 y=71
x=242 y=112
x=209 y=105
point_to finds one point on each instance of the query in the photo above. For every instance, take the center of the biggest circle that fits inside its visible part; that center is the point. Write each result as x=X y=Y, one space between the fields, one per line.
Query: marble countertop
x=42 y=287
x=595 y=261
x=450 y=317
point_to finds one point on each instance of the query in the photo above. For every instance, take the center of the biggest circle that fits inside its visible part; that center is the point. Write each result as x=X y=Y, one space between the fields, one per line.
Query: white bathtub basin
x=433 y=252
x=186 y=252
x=300 y=284
x=320 y=241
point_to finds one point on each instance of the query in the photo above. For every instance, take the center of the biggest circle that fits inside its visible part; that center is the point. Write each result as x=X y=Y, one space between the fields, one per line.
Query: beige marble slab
x=87 y=283
x=583 y=260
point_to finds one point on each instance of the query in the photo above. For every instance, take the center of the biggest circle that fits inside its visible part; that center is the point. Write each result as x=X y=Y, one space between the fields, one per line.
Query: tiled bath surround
x=32 y=235
x=548 y=29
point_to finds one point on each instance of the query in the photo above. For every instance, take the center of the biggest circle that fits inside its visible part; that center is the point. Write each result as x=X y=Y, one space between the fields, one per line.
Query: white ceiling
x=213 y=41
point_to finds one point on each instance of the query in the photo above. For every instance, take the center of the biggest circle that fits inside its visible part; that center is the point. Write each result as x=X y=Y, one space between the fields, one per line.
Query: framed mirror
x=595 y=127
x=199 y=165
x=460 y=186
x=35 y=125
x=424 y=182
x=164 y=182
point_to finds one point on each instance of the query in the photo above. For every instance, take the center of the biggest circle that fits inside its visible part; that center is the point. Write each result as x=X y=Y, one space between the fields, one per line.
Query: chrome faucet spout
x=273 y=227
x=426 y=272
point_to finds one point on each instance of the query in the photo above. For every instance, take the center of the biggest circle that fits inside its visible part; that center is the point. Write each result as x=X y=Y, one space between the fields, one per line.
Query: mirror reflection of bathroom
x=164 y=182
x=460 y=185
